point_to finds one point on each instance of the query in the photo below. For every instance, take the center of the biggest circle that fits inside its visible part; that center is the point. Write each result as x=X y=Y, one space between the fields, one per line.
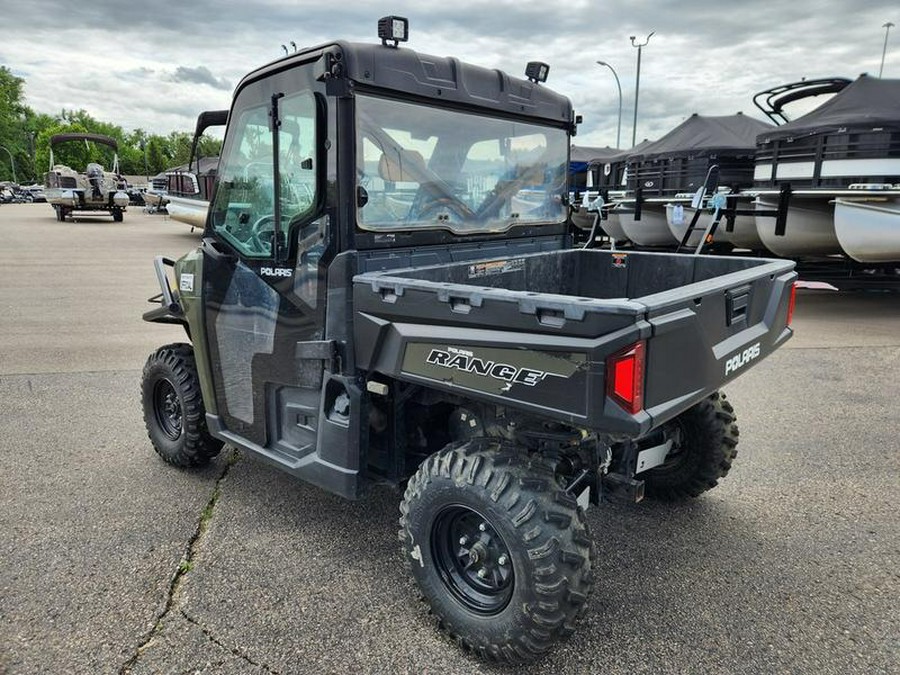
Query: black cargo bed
x=695 y=313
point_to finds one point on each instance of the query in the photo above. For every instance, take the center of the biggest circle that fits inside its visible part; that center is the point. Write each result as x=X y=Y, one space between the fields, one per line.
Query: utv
x=387 y=292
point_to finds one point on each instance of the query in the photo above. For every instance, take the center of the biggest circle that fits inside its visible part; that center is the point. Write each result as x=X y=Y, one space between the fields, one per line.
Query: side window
x=244 y=209
x=310 y=247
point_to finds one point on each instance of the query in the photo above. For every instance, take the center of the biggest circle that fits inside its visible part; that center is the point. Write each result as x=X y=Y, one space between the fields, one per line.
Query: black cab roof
x=405 y=71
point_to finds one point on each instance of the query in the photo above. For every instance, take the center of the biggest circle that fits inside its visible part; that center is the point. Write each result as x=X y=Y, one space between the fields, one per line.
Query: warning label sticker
x=494 y=267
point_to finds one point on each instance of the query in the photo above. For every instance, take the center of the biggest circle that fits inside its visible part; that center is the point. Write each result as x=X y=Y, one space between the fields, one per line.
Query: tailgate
x=709 y=332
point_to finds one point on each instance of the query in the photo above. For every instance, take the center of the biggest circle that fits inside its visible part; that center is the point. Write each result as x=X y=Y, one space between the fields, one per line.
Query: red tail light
x=625 y=377
x=790 y=316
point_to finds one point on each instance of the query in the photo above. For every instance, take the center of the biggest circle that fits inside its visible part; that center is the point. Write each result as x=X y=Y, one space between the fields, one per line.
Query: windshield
x=422 y=167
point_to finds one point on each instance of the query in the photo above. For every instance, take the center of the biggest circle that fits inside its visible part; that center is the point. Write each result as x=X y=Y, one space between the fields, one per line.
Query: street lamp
x=637 y=84
x=887 y=29
x=12 y=163
x=619 y=128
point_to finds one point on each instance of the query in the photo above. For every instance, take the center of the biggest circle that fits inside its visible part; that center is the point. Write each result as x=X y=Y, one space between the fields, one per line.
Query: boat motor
x=95 y=177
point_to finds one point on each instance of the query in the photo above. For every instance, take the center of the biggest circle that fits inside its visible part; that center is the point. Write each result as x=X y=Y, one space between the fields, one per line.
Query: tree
x=26 y=134
x=209 y=147
x=12 y=112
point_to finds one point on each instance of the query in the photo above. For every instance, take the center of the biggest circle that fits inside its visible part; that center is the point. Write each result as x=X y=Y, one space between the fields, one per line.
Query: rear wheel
x=501 y=553
x=704 y=445
x=173 y=408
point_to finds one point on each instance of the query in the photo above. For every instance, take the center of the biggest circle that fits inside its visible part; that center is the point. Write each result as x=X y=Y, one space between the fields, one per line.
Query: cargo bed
x=562 y=314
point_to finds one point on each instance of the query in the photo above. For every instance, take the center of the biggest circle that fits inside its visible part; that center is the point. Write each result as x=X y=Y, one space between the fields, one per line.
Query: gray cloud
x=199 y=75
x=705 y=57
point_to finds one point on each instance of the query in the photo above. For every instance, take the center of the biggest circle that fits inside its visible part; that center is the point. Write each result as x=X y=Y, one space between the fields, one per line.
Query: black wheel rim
x=167 y=405
x=472 y=560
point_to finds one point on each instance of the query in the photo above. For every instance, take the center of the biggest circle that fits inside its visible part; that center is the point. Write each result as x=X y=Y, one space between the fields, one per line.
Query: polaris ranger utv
x=387 y=292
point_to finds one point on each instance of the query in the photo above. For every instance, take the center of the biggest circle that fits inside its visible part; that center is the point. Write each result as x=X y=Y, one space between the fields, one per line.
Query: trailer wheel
x=705 y=445
x=501 y=554
x=173 y=408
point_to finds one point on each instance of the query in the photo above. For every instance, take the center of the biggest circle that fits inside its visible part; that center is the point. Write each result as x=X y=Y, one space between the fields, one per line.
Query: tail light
x=793 y=299
x=625 y=377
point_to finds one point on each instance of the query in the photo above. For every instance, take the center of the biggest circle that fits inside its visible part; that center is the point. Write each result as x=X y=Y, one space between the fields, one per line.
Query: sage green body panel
x=189 y=282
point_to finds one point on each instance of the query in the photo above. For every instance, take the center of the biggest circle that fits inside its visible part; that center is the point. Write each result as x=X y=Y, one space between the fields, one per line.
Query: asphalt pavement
x=113 y=562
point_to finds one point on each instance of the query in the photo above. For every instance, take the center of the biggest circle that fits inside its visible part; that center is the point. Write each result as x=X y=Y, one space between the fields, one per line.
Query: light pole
x=637 y=84
x=12 y=163
x=887 y=29
x=619 y=127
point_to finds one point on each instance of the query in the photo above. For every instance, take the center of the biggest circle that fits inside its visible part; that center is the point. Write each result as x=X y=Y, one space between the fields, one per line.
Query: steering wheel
x=260 y=236
x=259 y=169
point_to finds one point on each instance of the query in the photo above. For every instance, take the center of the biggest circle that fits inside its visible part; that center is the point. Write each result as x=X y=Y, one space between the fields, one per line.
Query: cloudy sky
x=155 y=65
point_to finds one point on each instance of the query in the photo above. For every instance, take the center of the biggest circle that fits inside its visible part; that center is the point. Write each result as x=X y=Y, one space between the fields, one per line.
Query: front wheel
x=118 y=216
x=704 y=444
x=500 y=552
x=173 y=408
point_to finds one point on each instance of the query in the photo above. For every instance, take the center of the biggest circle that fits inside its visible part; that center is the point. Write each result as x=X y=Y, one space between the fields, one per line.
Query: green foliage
x=12 y=115
x=26 y=135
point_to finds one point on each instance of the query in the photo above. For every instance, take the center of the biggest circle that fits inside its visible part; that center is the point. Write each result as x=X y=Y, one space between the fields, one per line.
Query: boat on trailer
x=839 y=165
x=664 y=176
x=586 y=178
x=186 y=191
x=92 y=191
x=610 y=176
x=868 y=228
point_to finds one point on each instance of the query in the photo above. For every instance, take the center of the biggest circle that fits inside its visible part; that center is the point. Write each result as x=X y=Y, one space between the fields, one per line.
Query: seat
x=401 y=166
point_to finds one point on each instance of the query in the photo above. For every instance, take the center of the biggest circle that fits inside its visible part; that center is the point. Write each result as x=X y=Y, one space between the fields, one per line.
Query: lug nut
x=482 y=527
x=502 y=560
x=482 y=573
x=463 y=541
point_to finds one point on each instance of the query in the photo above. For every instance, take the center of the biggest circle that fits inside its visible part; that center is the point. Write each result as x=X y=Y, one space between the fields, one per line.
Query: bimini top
x=582 y=156
x=866 y=103
x=702 y=136
x=94 y=138
x=375 y=66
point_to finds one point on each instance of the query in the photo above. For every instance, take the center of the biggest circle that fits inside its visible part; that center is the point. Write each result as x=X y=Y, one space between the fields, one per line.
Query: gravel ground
x=111 y=561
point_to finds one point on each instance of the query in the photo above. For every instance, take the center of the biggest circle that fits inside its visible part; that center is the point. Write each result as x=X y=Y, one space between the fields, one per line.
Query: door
x=262 y=270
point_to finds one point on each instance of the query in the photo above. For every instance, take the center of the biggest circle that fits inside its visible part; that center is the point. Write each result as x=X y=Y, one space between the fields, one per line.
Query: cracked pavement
x=108 y=564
